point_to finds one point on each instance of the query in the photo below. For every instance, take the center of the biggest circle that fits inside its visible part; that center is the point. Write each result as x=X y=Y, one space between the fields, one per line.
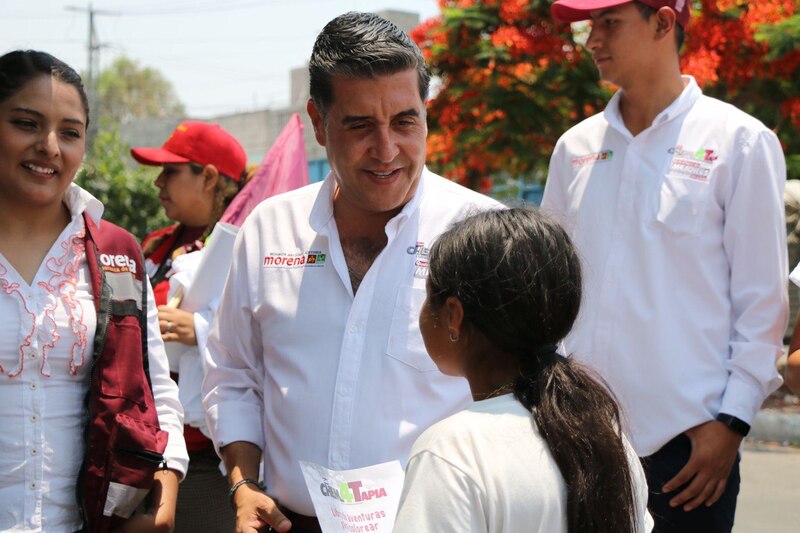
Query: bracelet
x=245 y=481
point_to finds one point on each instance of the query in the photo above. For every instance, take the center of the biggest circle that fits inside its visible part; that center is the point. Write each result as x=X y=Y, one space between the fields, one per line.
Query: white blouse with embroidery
x=46 y=339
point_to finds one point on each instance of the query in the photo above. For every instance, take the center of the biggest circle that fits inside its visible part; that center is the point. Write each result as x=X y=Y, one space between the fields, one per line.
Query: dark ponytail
x=518 y=278
x=579 y=420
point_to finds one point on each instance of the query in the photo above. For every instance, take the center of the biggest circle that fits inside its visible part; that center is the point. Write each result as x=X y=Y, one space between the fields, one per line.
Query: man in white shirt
x=675 y=201
x=316 y=354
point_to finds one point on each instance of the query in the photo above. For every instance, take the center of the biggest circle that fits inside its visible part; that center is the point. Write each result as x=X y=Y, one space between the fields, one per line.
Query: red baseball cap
x=198 y=142
x=575 y=10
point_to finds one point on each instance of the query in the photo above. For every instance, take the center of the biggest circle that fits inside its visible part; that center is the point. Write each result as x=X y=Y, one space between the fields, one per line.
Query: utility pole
x=92 y=70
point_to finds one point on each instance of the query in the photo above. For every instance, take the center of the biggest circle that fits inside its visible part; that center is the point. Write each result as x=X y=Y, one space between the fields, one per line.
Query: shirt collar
x=79 y=200
x=691 y=92
x=322 y=211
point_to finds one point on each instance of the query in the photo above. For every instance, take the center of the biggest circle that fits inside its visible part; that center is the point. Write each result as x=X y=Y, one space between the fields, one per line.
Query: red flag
x=284 y=168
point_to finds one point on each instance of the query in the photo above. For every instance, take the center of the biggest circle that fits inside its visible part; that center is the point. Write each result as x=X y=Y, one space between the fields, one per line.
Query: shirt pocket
x=682 y=204
x=405 y=341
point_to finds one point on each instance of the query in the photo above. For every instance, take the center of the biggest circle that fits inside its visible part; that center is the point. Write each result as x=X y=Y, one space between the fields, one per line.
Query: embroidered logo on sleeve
x=284 y=260
x=694 y=165
x=597 y=157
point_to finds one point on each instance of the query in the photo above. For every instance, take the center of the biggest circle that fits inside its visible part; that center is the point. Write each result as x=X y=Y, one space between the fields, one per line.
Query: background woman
x=203 y=168
x=540 y=449
x=91 y=421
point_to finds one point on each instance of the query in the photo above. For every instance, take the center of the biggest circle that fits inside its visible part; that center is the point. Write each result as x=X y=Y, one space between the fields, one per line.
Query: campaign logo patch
x=597 y=157
x=285 y=260
x=694 y=165
x=117 y=263
x=421 y=265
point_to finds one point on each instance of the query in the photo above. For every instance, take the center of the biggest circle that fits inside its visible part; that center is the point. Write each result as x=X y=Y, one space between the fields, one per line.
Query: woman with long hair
x=540 y=449
x=91 y=422
x=203 y=168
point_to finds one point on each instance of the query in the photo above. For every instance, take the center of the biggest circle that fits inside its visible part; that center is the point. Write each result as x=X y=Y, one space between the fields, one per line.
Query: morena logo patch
x=597 y=157
x=286 y=260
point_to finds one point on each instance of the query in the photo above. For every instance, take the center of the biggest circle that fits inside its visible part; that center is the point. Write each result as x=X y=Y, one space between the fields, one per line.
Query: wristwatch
x=737 y=425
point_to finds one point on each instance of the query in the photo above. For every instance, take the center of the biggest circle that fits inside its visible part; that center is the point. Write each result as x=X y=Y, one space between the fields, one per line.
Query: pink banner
x=284 y=168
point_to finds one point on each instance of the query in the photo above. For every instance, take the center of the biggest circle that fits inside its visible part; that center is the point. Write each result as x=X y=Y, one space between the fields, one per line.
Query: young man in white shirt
x=675 y=201
x=316 y=354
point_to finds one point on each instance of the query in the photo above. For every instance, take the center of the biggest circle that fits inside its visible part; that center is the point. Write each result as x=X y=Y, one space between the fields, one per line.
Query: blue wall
x=317 y=170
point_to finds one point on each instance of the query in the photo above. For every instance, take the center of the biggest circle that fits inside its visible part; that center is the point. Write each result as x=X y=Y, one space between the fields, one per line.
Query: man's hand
x=714 y=449
x=176 y=325
x=255 y=510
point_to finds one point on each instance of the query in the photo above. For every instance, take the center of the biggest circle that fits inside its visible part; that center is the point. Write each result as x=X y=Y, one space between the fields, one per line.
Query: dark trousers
x=203 y=497
x=663 y=466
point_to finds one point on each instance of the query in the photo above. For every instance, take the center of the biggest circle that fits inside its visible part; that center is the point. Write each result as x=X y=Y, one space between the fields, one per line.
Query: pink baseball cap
x=575 y=10
x=198 y=142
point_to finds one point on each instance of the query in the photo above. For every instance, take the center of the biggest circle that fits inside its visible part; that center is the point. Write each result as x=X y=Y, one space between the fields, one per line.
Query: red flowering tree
x=513 y=80
x=748 y=54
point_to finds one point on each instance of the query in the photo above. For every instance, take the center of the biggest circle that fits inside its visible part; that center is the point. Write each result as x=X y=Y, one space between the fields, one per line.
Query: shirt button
x=33 y=485
x=34 y=418
x=32 y=355
x=33 y=386
x=34 y=451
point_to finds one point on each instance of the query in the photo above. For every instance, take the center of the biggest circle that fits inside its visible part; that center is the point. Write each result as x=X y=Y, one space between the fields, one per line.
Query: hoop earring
x=453 y=337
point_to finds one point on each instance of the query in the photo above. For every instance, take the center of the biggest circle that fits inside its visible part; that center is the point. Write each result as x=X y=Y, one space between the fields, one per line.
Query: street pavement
x=769 y=499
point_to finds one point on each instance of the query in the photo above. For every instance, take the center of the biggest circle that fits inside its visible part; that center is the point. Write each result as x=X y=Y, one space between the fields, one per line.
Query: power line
x=191 y=9
x=92 y=66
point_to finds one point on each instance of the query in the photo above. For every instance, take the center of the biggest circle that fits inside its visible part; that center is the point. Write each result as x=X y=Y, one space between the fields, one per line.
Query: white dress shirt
x=46 y=342
x=304 y=369
x=683 y=243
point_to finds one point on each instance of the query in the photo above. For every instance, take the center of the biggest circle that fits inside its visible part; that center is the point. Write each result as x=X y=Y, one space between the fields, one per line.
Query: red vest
x=124 y=444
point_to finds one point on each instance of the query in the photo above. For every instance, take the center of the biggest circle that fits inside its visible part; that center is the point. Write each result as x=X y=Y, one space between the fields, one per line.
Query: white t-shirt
x=46 y=342
x=488 y=470
x=682 y=235
x=306 y=370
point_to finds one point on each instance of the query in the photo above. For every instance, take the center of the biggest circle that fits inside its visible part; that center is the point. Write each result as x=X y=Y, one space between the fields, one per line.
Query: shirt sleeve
x=554 y=200
x=754 y=238
x=202 y=324
x=165 y=391
x=232 y=388
x=438 y=498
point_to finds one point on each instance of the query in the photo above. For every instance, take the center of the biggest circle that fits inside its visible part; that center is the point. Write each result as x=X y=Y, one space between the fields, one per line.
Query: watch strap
x=735 y=424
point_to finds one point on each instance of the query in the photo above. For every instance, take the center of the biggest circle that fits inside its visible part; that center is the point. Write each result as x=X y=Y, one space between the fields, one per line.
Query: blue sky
x=222 y=56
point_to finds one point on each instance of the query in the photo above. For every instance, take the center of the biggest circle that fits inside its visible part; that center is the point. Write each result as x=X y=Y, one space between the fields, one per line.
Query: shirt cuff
x=743 y=401
x=176 y=455
x=233 y=421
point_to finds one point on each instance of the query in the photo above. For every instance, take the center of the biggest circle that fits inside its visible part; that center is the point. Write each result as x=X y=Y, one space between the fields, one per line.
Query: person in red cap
x=203 y=168
x=675 y=201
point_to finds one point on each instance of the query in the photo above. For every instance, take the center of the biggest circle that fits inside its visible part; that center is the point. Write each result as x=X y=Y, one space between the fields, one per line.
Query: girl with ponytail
x=540 y=449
